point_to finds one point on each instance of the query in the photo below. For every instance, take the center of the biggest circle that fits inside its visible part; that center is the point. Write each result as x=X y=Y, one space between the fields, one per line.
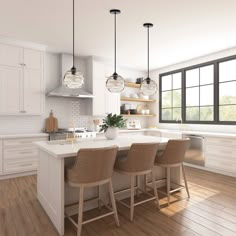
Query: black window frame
x=215 y=64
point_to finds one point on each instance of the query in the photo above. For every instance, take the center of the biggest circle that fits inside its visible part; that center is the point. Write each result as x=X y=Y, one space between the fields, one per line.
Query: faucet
x=181 y=122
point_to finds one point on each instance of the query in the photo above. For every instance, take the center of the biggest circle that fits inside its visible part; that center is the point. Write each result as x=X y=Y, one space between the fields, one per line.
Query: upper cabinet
x=21 y=81
x=11 y=55
x=104 y=102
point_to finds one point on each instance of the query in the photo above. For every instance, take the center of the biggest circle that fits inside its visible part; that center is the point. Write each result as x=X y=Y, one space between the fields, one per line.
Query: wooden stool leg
x=168 y=185
x=132 y=198
x=80 y=216
x=113 y=203
x=145 y=183
x=155 y=189
x=185 y=180
x=137 y=184
x=99 y=197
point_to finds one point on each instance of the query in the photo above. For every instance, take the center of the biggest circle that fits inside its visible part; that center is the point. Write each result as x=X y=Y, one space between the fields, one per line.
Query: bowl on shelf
x=133 y=111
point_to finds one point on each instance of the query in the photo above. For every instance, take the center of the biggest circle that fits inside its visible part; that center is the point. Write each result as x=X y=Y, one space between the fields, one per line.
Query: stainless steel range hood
x=62 y=90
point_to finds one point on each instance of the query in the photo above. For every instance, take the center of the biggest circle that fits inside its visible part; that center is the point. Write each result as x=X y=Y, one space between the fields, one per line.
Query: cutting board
x=51 y=123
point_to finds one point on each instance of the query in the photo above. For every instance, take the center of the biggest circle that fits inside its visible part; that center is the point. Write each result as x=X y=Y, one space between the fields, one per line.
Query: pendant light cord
x=148 y=51
x=73 y=33
x=115 y=42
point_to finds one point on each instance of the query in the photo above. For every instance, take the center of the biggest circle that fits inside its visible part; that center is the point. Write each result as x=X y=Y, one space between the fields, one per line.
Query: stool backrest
x=93 y=165
x=141 y=157
x=175 y=151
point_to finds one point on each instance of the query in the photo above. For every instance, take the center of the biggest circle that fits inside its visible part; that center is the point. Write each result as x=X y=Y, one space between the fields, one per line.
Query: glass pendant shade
x=115 y=83
x=148 y=87
x=73 y=79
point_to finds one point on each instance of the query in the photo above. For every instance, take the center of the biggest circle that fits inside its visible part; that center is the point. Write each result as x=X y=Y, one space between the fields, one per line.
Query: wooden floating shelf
x=136 y=99
x=132 y=85
x=150 y=115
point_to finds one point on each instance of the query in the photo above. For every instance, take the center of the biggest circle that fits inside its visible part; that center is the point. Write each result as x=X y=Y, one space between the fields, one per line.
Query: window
x=203 y=93
x=199 y=89
x=227 y=91
x=171 y=96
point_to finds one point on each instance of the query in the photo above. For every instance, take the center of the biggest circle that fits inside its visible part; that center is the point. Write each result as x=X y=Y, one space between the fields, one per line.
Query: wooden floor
x=210 y=211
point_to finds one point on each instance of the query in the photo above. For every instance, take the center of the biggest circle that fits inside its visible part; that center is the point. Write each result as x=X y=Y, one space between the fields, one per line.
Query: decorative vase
x=111 y=133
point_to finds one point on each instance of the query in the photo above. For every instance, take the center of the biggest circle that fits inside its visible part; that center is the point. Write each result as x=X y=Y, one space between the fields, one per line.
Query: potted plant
x=111 y=125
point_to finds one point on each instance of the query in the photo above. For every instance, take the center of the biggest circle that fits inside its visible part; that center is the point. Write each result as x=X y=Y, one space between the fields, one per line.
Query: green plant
x=112 y=121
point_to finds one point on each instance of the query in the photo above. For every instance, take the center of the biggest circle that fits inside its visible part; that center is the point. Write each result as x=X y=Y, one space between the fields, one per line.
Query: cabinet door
x=1 y=160
x=112 y=102
x=99 y=99
x=11 y=81
x=11 y=55
x=32 y=92
x=32 y=59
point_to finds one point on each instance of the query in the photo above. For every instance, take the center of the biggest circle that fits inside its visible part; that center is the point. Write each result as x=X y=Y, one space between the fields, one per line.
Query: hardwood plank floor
x=210 y=211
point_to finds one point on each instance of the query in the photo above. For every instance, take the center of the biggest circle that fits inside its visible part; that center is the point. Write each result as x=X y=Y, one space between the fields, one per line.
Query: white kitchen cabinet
x=171 y=135
x=153 y=133
x=32 y=92
x=1 y=157
x=104 y=102
x=220 y=154
x=11 y=55
x=11 y=90
x=21 y=81
x=19 y=155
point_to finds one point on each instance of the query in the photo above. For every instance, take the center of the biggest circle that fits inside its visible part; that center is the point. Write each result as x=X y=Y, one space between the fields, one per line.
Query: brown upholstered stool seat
x=173 y=156
x=139 y=161
x=92 y=167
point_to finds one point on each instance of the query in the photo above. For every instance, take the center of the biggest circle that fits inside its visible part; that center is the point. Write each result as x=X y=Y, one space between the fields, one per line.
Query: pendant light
x=115 y=83
x=148 y=86
x=73 y=78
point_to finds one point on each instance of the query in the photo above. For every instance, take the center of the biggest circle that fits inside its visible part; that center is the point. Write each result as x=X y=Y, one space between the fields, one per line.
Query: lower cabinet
x=171 y=135
x=19 y=155
x=0 y=157
x=221 y=154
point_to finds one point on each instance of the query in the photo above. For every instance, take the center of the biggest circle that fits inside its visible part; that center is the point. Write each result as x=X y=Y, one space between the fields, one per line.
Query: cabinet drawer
x=21 y=142
x=221 y=163
x=221 y=141
x=14 y=153
x=214 y=150
x=14 y=166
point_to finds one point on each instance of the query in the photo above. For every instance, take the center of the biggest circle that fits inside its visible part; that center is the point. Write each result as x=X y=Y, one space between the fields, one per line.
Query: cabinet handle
x=26 y=152
x=26 y=164
x=22 y=111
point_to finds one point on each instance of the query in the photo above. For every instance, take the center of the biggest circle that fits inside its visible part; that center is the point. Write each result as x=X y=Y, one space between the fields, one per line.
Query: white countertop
x=12 y=136
x=203 y=133
x=61 y=149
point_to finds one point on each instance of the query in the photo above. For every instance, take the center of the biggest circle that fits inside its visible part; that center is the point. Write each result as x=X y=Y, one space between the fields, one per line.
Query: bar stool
x=92 y=167
x=139 y=161
x=173 y=156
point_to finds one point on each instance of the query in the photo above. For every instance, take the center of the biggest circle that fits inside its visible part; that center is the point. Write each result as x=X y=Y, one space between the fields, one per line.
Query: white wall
x=155 y=75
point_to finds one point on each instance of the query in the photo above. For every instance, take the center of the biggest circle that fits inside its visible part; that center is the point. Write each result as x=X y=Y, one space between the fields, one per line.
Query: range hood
x=62 y=90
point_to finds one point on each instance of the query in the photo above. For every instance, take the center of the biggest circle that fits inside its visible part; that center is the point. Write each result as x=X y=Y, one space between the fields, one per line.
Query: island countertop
x=63 y=148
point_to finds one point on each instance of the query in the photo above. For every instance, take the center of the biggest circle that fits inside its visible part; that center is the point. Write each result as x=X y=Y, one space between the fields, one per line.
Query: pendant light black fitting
x=148 y=25
x=115 y=12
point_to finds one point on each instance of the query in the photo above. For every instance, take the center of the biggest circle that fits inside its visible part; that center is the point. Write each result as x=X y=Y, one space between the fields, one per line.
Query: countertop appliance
x=80 y=132
x=133 y=124
x=195 y=153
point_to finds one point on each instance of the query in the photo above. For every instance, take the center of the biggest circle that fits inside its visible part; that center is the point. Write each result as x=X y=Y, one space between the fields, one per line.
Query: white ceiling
x=183 y=29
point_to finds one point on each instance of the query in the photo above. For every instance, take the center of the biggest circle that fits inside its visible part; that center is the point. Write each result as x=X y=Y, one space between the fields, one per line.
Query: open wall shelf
x=136 y=99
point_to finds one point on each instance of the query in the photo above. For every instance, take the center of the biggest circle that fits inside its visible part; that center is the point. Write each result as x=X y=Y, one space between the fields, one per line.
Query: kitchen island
x=54 y=194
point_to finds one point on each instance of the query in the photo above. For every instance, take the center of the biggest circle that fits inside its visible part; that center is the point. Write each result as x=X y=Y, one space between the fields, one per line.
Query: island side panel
x=50 y=184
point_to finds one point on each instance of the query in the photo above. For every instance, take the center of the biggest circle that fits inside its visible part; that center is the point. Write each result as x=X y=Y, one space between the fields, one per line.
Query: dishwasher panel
x=195 y=153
